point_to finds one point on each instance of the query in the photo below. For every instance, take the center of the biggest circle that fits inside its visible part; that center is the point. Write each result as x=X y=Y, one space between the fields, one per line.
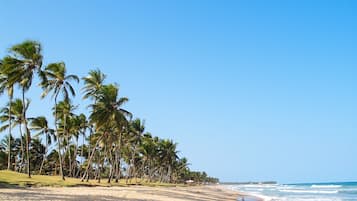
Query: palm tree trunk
x=131 y=167
x=81 y=163
x=117 y=166
x=28 y=135
x=22 y=148
x=74 y=164
x=110 y=166
x=59 y=141
x=68 y=147
x=45 y=154
x=9 y=143
x=90 y=159
x=89 y=148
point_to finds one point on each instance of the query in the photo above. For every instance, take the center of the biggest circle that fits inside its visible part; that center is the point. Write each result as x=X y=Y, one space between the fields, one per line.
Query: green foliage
x=108 y=144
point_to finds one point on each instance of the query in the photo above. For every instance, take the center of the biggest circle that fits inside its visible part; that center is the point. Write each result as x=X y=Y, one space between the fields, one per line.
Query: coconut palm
x=82 y=126
x=137 y=129
x=168 y=156
x=55 y=78
x=6 y=85
x=149 y=151
x=15 y=116
x=25 y=59
x=40 y=124
x=107 y=113
x=65 y=113
x=5 y=145
x=93 y=83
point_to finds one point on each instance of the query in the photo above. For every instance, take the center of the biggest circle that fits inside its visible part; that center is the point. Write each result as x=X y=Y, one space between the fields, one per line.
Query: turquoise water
x=336 y=191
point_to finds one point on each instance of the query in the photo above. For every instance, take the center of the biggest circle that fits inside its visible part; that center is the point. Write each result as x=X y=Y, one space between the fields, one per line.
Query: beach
x=131 y=193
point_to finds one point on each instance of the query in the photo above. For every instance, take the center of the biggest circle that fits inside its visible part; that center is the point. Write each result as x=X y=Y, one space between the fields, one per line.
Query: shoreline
x=244 y=196
x=131 y=193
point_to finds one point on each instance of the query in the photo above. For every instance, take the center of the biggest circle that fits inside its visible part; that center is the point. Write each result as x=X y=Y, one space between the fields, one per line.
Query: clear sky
x=251 y=90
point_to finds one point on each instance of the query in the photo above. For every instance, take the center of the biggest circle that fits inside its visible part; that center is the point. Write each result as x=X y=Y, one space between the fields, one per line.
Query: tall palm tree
x=55 y=78
x=40 y=124
x=14 y=115
x=137 y=128
x=168 y=156
x=67 y=127
x=92 y=84
x=107 y=111
x=6 y=85
x=24 y=61
x=82 y=125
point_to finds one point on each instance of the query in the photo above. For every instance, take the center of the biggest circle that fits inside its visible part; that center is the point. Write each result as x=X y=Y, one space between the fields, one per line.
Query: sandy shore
x=132 y=193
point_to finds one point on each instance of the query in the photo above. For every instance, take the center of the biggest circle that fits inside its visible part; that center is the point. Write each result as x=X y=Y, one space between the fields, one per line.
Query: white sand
x=132 y=193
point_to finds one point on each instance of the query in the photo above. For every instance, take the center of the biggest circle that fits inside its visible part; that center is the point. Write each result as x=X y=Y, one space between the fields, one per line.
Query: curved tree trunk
x=59 y=141
x=90 y=159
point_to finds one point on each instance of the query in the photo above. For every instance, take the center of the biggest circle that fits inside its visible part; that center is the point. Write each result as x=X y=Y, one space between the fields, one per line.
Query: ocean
x=336 y=191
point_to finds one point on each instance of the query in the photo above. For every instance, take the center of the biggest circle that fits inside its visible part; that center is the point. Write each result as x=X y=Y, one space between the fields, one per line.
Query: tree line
x=107 y=143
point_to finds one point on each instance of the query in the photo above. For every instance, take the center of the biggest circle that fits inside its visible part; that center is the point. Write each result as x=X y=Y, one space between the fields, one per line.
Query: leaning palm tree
x=106 y=112
x=25 y=59
x=6 y=85
x=40 y=124
x=55 y=78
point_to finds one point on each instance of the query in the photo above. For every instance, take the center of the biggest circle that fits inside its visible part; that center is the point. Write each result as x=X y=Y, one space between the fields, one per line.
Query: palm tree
x=54 y=79
x=40 y=124
x=37 y=153
x=168 y=156
x=5 y=84
x=25 y=60
x=137 y=129
x=107 y=112
x=15 y=151
x=149 y=150
x=15 y=115
x=82 y=125
x=65 y=115
x=92 y=84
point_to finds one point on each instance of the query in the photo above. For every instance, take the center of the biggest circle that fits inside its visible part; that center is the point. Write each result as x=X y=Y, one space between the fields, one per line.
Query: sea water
x=337 y=191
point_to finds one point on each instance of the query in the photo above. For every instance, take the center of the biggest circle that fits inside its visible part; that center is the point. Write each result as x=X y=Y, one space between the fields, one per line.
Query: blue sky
x=251 y=90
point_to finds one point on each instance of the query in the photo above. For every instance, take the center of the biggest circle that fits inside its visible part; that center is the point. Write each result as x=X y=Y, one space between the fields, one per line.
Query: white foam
x=309 y=191
x=325 y=186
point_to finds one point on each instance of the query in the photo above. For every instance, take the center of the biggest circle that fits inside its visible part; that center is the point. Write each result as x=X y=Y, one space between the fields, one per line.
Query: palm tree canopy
x=92 y=83
x=40 y=124
x=25 y=59
x=54 y=78
x=65 y=108
x=108 y=107
x=16 y=113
